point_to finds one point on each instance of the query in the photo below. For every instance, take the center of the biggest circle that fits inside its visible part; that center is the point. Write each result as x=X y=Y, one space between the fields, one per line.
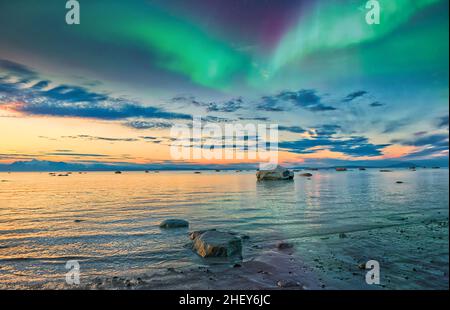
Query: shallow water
x=109 y=223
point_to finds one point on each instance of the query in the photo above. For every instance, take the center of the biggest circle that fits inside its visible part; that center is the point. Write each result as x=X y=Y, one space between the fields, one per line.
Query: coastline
x=271 y=269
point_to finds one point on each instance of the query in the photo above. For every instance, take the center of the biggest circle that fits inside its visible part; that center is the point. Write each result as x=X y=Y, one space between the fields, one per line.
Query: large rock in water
x=174 y=223
x=214 y=243
x=274 y=173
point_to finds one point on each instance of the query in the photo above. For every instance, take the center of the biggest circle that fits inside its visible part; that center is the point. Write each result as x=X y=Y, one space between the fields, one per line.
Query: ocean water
x=337 y=220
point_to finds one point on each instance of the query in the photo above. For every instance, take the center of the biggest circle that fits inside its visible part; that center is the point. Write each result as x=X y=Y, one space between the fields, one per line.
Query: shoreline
x=271 y=269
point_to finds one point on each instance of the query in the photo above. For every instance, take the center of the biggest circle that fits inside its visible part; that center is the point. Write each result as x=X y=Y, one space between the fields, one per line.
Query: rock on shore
x=214 y=243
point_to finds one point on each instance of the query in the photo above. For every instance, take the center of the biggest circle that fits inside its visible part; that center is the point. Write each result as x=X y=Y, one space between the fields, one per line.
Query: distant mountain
x=389 y=163
x=49 y=166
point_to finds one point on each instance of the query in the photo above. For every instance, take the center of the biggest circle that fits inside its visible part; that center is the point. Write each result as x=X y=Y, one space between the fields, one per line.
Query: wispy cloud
x=443 y=122
x=354 y=95
x=352 y=146
x=109 y=139
x=75 y=154
x=227 y=106
x=148 y=125
x=376 y=104
x=294 y=129
x=428 y=145
x=307 y=99
x=70 y=100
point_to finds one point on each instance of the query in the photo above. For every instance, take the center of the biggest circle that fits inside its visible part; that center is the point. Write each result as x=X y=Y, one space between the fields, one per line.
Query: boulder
x=214 y=243
x=174 y=223
x=274 y=173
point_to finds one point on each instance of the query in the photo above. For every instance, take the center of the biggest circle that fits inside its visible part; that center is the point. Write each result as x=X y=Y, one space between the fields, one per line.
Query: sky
x=108 y=91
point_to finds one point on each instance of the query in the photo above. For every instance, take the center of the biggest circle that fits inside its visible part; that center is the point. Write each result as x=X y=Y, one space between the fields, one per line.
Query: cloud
x=109 y=139
x=326 y=130
x=104 y=111
x=376 y=104
x=420 y=133
x=229 y=106
x=354 y=146
x=215 y=119
x=430 y=140
x=430 y=145
x=270 y=104
x=352 y=96
x=69 y=93
x=394 y=126
x=17 y=69
x=75 y=154
x=70 y=101
x=305 y=99
x=443 y=122
x=262 y=119
x=148 y=125
x=148 y=137
x=40 y=85
x=294 y=129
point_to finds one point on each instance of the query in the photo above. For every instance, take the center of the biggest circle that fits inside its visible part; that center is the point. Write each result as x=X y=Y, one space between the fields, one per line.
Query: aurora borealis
x=109 y=89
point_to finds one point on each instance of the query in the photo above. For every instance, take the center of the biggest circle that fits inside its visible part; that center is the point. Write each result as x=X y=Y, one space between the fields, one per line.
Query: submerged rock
x=213 y=243
x=275 y=173
x=284 y=245
x=287 y=283
x=306 y=175
x=341 y=169
x=174 y=223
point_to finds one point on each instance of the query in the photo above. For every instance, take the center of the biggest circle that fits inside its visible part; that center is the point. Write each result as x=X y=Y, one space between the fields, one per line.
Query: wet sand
x=272 y=269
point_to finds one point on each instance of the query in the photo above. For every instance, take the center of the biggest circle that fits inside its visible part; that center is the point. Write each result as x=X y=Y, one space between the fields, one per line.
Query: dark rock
x=287 y=283
x=284 y=245
x=306 y=174
x=174 y=223
x=213 y=243
x=342 y=235
x=275 y=173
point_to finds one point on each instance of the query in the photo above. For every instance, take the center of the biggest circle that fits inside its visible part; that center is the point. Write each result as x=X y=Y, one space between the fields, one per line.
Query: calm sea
x=337 y=220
